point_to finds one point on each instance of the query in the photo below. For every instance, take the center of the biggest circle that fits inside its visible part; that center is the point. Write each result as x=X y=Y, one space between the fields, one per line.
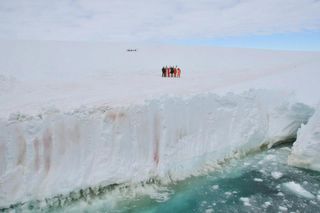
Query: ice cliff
x=169 y=138
x=305 y=151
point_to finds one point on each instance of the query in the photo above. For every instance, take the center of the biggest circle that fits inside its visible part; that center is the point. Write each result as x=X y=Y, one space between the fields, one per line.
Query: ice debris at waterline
x=231 y=188
x=297 y=189
x=54 y=153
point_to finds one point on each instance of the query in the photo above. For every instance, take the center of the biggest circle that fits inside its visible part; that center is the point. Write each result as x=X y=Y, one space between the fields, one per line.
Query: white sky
x=128 y=20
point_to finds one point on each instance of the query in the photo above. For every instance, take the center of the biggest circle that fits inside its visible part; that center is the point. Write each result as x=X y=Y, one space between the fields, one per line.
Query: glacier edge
x=170 y=138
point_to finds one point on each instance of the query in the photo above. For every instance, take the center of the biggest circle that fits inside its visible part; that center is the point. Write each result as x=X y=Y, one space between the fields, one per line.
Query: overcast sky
x=140 y=20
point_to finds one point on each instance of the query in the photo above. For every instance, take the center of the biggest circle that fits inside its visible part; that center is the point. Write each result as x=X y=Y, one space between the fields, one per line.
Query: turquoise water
x=251 y=184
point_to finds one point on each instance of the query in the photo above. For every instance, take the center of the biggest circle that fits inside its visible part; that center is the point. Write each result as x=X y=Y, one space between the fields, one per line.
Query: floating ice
x=280 y=194
x=246 y=201
x=283 y=208
x=276 y=175
x=298 y=190
x=215 y=187
x=210 y=210
x=270 y=157
x=258 y=180
x=228 y=193
x=266 y=204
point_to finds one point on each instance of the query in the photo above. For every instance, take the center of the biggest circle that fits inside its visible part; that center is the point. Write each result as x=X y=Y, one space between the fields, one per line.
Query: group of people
x=173 y=72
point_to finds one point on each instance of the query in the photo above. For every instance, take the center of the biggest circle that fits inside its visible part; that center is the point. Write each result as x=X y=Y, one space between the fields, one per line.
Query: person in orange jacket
x=175 y=72
x=168 y=72
x=178 y=72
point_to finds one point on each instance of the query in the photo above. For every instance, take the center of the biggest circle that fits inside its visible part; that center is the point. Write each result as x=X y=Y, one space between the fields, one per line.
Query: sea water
x=260 y=182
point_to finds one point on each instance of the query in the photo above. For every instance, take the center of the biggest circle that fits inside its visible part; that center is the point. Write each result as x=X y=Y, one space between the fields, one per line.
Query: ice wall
x=169 y=138
x=306 y=149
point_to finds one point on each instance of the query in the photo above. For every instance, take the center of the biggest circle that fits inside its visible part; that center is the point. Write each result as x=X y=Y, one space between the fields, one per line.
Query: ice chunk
x=276 y=175
x=306 y=149
x=215 y=187
x=280 y=194
x=245 y=201
x=283 y=208
x=298 y=190
x=270 y=157
x=258 y=180
x=228 y=193
x=313 y=202
x=209 y=210
x=262 y=171
x=266 y=204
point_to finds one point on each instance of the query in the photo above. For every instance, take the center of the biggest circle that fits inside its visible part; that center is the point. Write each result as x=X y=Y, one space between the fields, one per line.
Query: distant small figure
x=178 y=72
x=163 y=72
x=175 y=71
x=131 y=50
x=171 y=72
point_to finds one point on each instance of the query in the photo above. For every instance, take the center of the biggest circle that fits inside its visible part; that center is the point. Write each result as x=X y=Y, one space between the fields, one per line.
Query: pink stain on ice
x=22 y=148
x=47 y=142
x=75 y=134
x=36 y=146
x=156 y=156
x=61 y=138
x=115 y=116
x=2 y=158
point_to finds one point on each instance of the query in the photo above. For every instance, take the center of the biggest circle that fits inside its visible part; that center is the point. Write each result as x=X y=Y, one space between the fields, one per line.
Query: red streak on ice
x=47 y=142
x=156 y=157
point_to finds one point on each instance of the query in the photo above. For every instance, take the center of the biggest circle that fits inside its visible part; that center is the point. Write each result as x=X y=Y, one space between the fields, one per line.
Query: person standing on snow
x=178 y=72
x=171 y=71
x=175 y=71
x=163 y=72
x=168 y=72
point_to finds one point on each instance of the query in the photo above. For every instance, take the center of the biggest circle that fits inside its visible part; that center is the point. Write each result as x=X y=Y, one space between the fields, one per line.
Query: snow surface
x=75 y=115
x=306 y=149
x=66 y=75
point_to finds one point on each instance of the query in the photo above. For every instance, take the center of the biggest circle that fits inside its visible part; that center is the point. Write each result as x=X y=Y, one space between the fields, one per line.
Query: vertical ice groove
x=170 y=138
